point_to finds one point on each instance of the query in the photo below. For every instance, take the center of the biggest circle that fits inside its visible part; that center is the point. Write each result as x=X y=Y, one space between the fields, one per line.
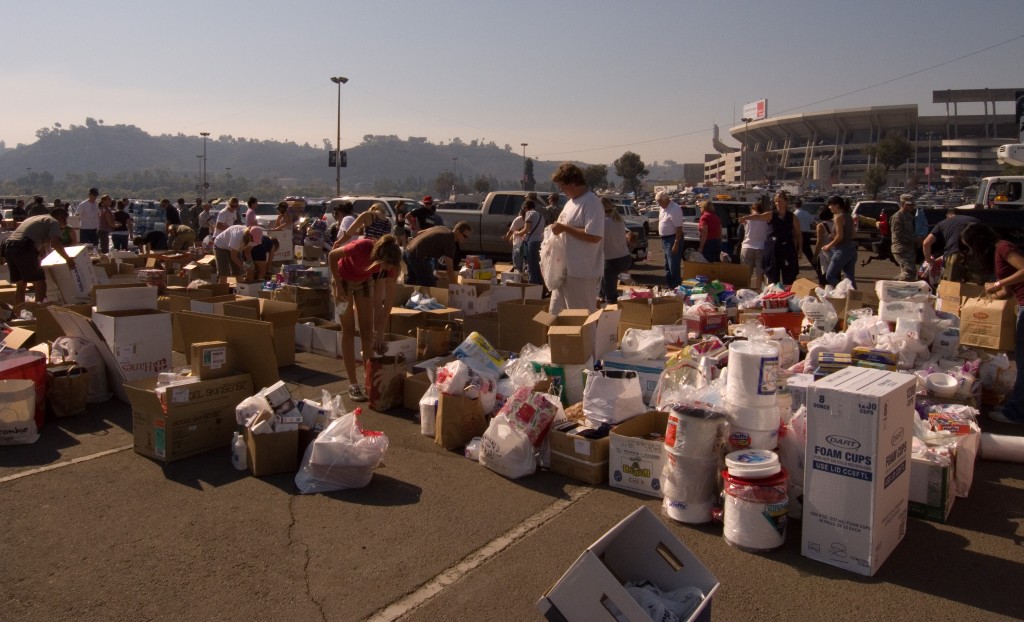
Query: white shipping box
x=636 y=454
x=640 y=548
x=325 y=340
x=857 y=479
x=76 y=285
x=139 y=340
x=396 y=345
x=125 y=299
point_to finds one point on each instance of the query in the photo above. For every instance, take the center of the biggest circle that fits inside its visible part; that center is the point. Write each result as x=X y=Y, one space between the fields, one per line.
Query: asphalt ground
x=94 y=531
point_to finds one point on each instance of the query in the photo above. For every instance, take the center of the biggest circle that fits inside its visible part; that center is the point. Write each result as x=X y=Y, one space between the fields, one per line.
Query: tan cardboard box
x=570 y=334
x=212 y=359
x=578 y=457
x=988 y=323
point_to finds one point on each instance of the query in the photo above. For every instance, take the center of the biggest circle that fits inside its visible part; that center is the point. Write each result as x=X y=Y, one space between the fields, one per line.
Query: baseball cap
x=428 y=199
x=94 y=192
x=906 y=198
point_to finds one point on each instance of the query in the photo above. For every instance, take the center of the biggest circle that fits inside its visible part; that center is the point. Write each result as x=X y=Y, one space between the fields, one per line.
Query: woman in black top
x=122 y=227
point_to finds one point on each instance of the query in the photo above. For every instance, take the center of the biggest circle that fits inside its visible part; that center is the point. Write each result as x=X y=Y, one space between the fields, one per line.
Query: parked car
x=865 y=217
x=266 y=215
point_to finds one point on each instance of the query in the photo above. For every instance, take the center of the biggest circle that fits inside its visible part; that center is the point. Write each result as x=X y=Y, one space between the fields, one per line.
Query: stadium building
x=820 y=149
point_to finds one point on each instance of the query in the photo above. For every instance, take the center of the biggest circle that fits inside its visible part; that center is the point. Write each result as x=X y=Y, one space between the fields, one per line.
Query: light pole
x=455 y=162
x=205 y=135
x=930 y=135
x=743 y=151
x=524 y=164
x=201 y=162
x=339 y=80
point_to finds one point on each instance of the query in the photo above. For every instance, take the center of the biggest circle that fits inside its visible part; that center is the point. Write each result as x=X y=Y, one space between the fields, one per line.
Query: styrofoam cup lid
x=753 y=463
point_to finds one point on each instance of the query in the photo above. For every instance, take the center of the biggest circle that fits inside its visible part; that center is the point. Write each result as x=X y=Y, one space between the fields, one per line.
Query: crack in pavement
x=305 y=563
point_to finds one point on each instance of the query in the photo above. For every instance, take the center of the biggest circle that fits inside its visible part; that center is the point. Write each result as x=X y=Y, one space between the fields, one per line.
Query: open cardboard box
x=281 y=316
x=639 y=548
x=571 y=335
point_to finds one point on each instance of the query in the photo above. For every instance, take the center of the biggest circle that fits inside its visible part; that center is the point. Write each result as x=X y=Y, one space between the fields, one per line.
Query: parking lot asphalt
x=94 y=531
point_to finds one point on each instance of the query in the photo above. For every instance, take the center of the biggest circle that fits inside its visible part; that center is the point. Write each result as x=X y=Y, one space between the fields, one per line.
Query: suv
x=631 y=216
x=266 y=215
x=361 y=204
x=865 y=218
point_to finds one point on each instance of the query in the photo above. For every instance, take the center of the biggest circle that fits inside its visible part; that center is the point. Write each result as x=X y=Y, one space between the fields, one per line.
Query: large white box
x=140 y=340
x=857 y=480
x=635 y=459
x=76 y=285
x=640 y=548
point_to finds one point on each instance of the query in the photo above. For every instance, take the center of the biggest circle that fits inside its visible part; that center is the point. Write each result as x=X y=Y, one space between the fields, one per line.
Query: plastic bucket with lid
x=690 y=487
x=755 y=500
x=694 y=432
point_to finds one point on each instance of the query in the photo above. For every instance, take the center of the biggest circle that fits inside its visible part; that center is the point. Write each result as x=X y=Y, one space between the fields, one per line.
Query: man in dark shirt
x=437 y=243
x=152 y=241
x=171 y=213
x=22 y=252
x=19 y=213
x=956 y=266
x=38 y=208
x=425 y=216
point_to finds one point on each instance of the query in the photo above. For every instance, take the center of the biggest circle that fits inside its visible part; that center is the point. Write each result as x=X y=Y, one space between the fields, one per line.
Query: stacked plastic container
x=750 y=394
x=693 y=448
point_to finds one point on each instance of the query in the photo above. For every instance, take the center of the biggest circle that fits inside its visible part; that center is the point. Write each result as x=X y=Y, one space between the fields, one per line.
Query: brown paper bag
x=432 y=341
x=459 y=419
x=67 y=389
x=385 y=378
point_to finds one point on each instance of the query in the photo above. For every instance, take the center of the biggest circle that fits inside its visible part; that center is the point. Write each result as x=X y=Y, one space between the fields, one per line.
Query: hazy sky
x=574 y=79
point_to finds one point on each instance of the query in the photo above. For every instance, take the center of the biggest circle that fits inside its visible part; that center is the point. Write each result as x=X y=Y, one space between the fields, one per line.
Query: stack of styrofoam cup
x=693 y=446
x=750 y=394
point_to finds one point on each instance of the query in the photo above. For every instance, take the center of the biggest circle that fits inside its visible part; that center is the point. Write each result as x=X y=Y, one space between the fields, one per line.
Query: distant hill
x=123 y=159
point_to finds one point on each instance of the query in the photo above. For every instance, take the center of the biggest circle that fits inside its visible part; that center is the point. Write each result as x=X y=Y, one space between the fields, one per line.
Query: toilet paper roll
x=1002 y=448
x=752 y=373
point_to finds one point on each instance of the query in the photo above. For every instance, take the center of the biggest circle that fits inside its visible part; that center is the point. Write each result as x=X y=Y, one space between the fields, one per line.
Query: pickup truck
x=999 y=203
x=492 y=218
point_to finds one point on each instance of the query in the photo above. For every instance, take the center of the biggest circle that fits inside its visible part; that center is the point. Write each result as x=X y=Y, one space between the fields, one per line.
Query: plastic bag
x=251 y=407
x=612 y=396
x=428 y=409
x=819 y=315
x=553 y=261
x=506 y=449
x=85 y=354
x=533 y=412
x=343 y=456
x=643 y=344
x=459 y=378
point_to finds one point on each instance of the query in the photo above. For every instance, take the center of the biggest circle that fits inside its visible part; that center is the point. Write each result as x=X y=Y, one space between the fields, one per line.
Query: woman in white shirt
x=228 y=248
x=755 y=234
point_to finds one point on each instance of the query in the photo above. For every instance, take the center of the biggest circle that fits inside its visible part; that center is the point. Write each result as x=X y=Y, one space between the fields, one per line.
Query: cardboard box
x=735 y=274
x=951 y=295
x=326 y=339
x=74 y=286
x=140 y=340
x=212 y=359
x=200 y=416
x=648 y=312
x=639 y=548
x=471 y=298
x=606 y=335
x=857 y=479
x=124 y=297
x=637 y=453
x=251 y=341
x=415 y=386
x=487 y=324
x=518 y=327
x=578 y=457
x=214 y=305
x=249 y=289
x=304 y=329
x=273 y=453
x=281 y=316
x=571 y=335
x=395 y=345
x=931 y=490
x=402 y=321
x=648 y=370
x=988 y=323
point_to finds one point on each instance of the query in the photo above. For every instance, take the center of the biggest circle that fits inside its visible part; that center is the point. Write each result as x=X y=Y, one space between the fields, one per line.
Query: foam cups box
x=860 y=423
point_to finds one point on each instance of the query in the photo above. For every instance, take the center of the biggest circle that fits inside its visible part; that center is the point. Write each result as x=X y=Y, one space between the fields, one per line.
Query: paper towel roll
x=752 y=373
x=1002 y=448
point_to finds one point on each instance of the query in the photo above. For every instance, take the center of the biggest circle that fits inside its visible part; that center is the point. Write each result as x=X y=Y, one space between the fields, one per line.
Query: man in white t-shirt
x=670 y=228
x=226 y=217
x=88 y=212
x=582 y=225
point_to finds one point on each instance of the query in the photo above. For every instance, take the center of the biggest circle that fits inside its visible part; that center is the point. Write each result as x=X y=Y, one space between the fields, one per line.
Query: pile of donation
x=846 y=410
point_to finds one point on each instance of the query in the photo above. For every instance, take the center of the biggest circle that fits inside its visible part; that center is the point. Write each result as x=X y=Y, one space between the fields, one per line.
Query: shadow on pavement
x=212 y=468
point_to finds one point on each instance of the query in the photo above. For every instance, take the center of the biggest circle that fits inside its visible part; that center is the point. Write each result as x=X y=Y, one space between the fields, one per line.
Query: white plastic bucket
x=756 y=501
x=686 y=512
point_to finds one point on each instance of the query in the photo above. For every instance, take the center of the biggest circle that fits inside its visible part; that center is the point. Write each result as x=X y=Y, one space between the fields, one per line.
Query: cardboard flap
x=248 y=309
x=17 y=338
x=125 y=297
x=545 y=318
x=75 y=325
x=251 y=341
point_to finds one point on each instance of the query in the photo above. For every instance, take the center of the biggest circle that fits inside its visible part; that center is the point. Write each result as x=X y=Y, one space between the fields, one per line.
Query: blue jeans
x=419 y=271
x=533 y=262
x=844 y=260
x=1013 y=408
x=673 y=261
x=612 y=269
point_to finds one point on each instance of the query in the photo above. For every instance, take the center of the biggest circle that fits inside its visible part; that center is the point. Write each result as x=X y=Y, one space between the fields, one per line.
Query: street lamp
x=205 y=135
x=339 y=80
x=455 y=162
x=743 y=151
x=930 y=135
x=201 y=162
x=524 y=164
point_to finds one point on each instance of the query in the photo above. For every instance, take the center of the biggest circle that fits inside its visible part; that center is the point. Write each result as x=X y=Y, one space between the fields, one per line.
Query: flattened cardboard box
x=200 y=416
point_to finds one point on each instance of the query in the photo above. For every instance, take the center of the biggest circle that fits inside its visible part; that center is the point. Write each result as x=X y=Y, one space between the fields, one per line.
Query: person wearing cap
x=23 y=252
x=182 y=237
x=38 y=208
x=227 y=216
x=228 y=247
x=425 y=217
x=88 y=212
x=904 y=239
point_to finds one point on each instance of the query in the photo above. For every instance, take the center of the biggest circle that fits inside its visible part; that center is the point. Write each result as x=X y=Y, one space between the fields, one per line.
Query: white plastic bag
x=819 y=315
x=85 y=354
x=612 y=396
x=507 y=450
x=251 y=407
x=553 y=260
x=343 y=456
x=643 y=344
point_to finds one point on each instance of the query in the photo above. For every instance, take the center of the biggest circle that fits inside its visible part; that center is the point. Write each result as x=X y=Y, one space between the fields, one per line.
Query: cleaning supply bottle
x=238 y=457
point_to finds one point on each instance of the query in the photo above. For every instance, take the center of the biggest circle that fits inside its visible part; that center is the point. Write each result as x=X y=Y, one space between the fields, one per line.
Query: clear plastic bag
x=506 y=449
x=553 y=261
x=343 y=456
x=643 y=344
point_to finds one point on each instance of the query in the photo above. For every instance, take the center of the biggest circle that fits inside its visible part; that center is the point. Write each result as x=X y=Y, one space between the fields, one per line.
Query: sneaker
x=1000 y=416
x=355 y=393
